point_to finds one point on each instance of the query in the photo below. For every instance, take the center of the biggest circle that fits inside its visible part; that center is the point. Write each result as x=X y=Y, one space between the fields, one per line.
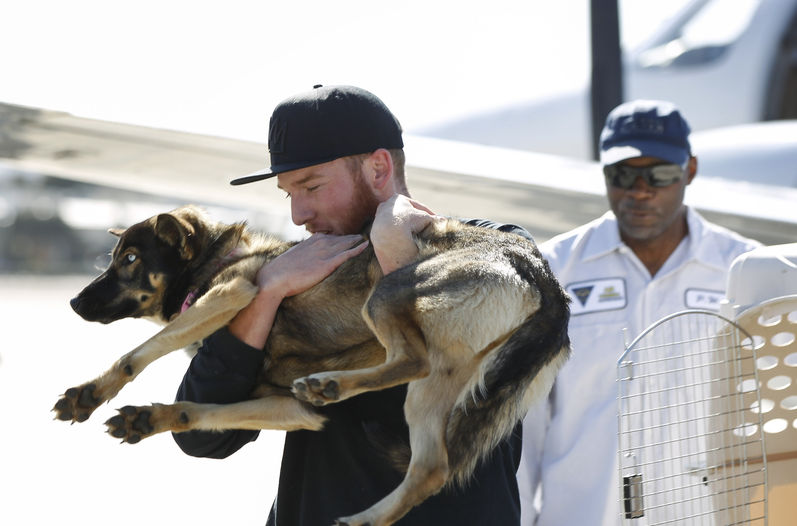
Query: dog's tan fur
x=476 y=327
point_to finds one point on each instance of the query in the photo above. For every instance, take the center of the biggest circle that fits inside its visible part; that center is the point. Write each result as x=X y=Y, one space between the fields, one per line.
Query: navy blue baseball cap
x=645 y=128
x=324 y=124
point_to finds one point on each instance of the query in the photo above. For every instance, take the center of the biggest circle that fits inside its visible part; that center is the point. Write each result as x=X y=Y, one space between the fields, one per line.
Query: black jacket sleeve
x=225 y=370
x=503 y=227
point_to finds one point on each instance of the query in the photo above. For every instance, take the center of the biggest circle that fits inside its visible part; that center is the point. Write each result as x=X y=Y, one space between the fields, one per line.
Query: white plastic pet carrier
x=708 y=406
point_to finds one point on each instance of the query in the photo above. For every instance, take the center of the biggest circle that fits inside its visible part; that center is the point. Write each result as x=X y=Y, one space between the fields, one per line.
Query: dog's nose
x=75 y=303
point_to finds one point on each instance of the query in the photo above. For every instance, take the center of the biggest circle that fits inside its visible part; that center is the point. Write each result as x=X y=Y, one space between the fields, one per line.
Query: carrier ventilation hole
x=776 y=425
x=791 y=360
x=779 y=383
x=782 y=339
x=747 y=386
x=766 y=406
x=769 y=322
x=746 y=430
x=789 y=403
x=757 y=343
x=765 y=363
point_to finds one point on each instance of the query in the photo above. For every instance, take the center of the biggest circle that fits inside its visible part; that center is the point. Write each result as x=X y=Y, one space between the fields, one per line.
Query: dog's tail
x=521 y=371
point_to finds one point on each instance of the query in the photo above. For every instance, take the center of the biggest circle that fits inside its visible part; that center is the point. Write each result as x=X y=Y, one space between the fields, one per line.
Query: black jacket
x=339 y=471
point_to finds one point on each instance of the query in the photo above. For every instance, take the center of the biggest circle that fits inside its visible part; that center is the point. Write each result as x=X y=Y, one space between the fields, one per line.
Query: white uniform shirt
x=570 y=440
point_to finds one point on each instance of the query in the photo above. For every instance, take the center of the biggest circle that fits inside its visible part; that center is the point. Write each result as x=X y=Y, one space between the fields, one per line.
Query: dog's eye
x=130 y=258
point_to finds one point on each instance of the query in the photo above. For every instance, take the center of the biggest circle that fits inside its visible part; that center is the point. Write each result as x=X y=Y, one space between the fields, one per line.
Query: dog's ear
x=176 y=233
x=116 y=231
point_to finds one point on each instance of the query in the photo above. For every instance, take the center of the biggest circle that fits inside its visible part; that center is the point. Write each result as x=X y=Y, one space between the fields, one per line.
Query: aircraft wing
x=545 y=194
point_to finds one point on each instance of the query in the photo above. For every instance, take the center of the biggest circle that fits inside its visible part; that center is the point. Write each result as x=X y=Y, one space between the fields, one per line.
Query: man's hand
x=308 y=263
x=295 y=271
x=397 y=219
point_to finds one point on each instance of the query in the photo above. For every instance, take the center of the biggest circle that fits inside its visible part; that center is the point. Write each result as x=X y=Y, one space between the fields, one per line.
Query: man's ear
x=380 y=170
x=176 y=233
x=691 y=169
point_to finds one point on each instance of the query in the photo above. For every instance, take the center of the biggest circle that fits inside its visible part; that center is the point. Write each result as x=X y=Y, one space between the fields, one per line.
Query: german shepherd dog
x=476 y=326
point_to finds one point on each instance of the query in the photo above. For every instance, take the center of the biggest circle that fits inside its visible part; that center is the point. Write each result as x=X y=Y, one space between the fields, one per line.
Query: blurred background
x=112 y=112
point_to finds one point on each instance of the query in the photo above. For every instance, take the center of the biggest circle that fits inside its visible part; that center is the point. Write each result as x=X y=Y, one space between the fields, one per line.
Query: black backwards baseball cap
x=324 y=124
x=645 y=128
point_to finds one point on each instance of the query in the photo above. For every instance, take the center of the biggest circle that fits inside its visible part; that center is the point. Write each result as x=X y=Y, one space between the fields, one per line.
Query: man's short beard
x=363 y=204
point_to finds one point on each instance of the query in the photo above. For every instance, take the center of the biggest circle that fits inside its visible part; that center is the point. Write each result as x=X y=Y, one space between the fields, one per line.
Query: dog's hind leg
x=428 y=470
x=280 y=412
x=406 y=359
x=211 y=312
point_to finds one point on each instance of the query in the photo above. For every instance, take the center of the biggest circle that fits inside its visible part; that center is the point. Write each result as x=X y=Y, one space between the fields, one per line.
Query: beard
x=361 y=209
x=363 y=206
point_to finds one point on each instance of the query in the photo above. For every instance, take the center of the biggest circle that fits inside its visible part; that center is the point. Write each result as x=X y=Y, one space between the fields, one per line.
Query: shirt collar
x=702 y=245
x=604 y=239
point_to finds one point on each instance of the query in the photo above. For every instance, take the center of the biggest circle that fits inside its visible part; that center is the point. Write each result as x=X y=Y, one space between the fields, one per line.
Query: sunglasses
x=623 y=176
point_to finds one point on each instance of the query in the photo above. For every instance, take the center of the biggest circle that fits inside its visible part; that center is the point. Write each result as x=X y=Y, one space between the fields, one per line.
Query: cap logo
x=643 y=125
x=276 y=137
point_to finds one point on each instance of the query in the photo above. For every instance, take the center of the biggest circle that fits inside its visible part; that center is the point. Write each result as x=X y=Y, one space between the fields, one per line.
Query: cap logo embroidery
x=643 y=125
x=276 y=138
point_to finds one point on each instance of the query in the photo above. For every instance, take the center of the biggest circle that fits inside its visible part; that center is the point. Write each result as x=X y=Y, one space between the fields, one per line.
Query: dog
x=476 y=326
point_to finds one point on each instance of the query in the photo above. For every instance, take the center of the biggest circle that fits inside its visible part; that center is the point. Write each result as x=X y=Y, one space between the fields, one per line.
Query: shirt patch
x=703 y=299
x=597 y=295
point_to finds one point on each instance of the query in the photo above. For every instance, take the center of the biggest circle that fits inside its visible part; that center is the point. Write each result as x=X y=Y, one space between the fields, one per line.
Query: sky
x=219 y=68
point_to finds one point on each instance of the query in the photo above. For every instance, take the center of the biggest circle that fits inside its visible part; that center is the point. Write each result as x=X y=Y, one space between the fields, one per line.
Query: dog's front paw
x=316 y=389
x=134 y=423
x=77 y=403
x=131 y=424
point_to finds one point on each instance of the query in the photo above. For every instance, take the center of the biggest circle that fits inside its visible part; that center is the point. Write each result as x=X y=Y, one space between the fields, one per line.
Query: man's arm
x=502 y=227
x=225 y=370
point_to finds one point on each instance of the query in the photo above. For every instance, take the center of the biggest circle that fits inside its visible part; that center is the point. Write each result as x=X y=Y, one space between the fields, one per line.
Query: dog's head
x=148 y=259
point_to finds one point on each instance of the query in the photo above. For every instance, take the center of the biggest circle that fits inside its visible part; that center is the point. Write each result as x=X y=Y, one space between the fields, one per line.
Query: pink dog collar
x=191 y=297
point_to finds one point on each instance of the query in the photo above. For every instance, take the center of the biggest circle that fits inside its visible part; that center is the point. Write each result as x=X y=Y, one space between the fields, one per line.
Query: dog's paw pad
x=77 y=403
x=317 y=391
x=86 y=397
x=131 y=424
x=331 y=390
x=63 y=409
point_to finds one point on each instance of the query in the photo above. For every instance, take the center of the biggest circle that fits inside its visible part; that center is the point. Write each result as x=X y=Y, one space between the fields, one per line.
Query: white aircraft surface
x=723 y=62
x=546 y=194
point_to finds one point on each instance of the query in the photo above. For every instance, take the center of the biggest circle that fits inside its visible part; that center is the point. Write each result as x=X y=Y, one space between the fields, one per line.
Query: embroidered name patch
x=597 y=295
x=703 y=299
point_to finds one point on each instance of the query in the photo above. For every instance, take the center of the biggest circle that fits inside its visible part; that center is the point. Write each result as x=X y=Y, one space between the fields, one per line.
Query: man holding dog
x=337 y=152
x=648 y=257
